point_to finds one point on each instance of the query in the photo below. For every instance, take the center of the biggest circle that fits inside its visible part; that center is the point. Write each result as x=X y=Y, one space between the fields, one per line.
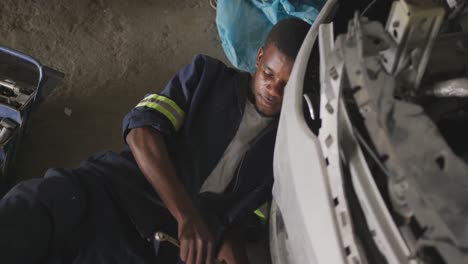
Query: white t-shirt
x=251 y=125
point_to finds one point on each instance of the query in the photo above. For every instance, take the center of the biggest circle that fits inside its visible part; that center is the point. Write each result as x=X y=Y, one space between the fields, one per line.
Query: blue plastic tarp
x=244 y=24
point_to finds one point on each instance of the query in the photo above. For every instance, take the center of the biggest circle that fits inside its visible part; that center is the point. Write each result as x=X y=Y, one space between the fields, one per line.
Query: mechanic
x=198 y=161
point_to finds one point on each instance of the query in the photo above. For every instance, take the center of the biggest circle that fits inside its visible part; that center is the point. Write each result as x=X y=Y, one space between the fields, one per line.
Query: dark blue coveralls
x=105 y=211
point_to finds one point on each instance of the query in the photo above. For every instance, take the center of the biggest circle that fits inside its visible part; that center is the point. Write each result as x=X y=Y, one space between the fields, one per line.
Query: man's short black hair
x=288 y=35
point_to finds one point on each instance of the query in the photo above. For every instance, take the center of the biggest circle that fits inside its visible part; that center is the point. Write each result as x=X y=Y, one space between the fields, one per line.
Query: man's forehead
x=276 y=61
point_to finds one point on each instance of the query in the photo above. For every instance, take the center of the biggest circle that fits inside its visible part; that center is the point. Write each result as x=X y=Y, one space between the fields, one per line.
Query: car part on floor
x=24 y=84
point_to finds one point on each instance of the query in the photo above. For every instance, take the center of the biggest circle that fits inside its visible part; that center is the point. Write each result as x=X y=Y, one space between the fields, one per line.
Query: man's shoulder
x=202 y=60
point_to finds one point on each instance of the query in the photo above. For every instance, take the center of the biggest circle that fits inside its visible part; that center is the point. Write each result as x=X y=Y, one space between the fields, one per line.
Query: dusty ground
x=112 y=52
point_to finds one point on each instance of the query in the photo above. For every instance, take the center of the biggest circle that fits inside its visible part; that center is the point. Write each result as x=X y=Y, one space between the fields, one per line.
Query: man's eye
x=267 y=74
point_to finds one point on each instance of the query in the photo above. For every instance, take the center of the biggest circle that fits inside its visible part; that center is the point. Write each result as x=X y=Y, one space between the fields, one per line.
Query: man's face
x=270 y=78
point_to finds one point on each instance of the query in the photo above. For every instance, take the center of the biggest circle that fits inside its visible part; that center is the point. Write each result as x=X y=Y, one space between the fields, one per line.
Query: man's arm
x=150 y=152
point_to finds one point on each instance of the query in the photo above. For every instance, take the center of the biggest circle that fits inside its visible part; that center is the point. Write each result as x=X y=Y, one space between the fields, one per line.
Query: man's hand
x=196 y=242
x=149 y=150
x=232 y=249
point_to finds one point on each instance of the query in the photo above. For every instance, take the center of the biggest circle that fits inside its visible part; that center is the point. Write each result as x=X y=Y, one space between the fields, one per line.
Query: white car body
x=297 y=192
x=310 y=219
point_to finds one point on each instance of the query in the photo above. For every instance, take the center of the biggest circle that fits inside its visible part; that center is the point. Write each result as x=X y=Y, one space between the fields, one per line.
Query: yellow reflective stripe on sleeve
x=260 y=214
x=166 y=107
x=263 y=212
x=163 y=111
x=167 y=101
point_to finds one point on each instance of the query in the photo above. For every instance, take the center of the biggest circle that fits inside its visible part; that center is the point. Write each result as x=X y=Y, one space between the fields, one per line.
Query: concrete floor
x=112 y=53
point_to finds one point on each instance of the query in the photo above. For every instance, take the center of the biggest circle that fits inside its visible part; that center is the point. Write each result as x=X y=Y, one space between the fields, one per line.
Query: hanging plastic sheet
x=244 y=24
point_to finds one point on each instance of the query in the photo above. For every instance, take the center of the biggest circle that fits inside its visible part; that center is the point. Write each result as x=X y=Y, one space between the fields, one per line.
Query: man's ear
x=259 y=57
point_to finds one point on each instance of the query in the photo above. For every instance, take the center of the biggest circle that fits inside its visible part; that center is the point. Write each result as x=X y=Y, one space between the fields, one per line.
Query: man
x=205 y=146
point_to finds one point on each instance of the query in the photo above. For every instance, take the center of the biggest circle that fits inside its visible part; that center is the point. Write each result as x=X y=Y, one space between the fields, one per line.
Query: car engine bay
x=405 y=88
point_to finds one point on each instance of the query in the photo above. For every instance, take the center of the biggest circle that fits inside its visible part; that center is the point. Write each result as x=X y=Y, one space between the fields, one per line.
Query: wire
x=213 y=3
x=368 y=7
x=372 y=154
x=309 y=104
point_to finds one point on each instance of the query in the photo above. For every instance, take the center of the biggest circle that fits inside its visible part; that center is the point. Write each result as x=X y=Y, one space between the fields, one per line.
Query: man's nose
x=275 y=89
